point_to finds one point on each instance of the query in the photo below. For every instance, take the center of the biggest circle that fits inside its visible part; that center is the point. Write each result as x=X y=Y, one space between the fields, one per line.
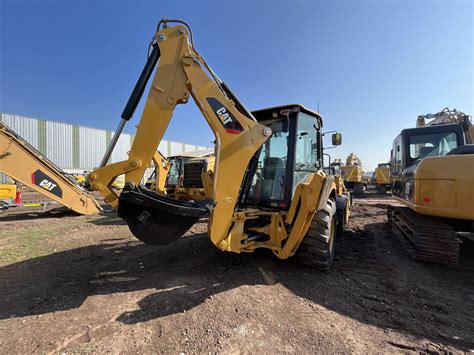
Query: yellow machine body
x=7 y=191
x=80 y=179
x=162 y=167
x=382 y=175
x=352 y=173
x=23 y=163
x=196 y=183
x=443 y=187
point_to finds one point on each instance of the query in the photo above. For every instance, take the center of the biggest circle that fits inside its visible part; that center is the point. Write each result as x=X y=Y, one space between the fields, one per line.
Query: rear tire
x=318 y=246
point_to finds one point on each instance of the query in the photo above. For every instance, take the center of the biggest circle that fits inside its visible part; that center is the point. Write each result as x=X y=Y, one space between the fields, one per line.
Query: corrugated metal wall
x=91 y=147
x=24 y=126
x=121 y=149
x=76 y=148
x=59 y=144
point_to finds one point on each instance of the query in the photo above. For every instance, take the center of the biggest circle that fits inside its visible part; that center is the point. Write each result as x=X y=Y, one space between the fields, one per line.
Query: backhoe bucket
x=158 y=220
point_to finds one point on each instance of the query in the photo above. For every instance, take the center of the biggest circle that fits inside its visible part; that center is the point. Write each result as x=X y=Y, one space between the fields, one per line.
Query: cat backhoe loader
x=432 y=175
x=184 y=177
x=196 y=181
x=22 y=162
x=269 y=189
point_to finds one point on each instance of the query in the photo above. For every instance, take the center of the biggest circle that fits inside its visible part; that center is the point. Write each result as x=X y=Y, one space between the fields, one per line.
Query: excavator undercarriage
x=432 y=240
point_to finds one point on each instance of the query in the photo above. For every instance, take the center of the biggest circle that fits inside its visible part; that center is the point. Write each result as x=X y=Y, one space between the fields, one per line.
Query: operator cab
x=414 y=144
x=292 y=153
x=176 y=171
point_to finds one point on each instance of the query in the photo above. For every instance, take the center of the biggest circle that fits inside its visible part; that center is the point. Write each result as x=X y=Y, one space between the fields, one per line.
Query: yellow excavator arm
x=446 y=116
x=22 y=162
x=182 y=73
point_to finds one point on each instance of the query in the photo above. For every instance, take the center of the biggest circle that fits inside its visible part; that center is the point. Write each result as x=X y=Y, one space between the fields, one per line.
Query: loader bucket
x=158 y=220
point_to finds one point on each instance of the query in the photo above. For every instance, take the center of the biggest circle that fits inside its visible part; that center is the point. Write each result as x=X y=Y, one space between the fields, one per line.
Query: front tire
x=318 y=246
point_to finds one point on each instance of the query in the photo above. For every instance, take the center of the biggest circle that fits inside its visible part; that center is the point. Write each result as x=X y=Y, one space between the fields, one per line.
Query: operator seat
x=273 y=171
x=424 y=151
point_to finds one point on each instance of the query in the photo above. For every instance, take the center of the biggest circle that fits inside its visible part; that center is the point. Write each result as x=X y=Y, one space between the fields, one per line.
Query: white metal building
x=76 y=148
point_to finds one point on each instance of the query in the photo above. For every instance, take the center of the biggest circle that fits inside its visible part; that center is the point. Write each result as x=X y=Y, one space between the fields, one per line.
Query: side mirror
x=336 y=139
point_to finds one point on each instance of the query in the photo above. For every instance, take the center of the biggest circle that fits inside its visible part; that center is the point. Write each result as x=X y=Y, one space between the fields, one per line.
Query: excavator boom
x=22 y=162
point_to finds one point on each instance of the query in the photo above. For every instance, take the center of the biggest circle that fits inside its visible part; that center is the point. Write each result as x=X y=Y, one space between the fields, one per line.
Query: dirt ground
x=84 y=284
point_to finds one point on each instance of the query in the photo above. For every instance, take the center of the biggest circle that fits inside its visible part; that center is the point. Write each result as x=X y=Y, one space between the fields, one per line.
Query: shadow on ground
x=29 y=214
x=373 y=281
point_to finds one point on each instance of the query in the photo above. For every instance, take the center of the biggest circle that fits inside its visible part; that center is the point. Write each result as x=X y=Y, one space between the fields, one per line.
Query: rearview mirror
x=337 y=139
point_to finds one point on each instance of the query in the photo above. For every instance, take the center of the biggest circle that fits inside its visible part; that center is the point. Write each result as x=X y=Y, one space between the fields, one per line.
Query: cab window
x=268 y=182
x=432 y=145
x=306 y=153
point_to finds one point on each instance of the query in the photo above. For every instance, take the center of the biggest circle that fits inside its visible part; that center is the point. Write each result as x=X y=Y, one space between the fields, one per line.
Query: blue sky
x=373 y=65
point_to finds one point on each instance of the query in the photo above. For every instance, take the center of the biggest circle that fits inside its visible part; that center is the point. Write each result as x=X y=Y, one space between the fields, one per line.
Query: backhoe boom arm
x=181 y=73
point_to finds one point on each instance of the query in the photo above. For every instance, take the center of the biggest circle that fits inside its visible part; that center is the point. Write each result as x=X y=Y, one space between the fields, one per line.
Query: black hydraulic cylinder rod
x=137 y=93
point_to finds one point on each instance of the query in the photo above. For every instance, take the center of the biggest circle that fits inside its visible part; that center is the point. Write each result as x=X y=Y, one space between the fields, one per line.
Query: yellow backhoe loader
x=432 y=175
x=382 y=178
x=196 y=181
x=184 y=177
x=269 y=189
x=23 y=163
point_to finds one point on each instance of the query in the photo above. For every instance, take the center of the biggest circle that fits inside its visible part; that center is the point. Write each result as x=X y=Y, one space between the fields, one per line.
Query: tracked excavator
x=432 y=176
x=22 y=162
x=269 y=189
